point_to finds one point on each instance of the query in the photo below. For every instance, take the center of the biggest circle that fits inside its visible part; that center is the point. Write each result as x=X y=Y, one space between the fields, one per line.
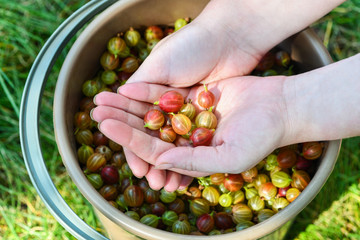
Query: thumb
x=212 y=159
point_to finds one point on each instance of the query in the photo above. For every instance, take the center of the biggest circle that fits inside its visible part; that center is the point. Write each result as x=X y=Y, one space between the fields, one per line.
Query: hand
x=252 y=123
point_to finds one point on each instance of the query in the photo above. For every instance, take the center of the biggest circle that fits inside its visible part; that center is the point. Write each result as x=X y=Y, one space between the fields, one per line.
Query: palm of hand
x=249 y=128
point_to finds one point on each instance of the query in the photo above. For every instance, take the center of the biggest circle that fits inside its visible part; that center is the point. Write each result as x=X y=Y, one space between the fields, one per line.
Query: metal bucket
x=80 y=64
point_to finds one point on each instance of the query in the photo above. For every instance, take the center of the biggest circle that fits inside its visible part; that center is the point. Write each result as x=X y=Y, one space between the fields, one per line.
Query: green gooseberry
x=241 y=212
x=279 y=204
x=134 y=215
x=238 y=197
x=264 y=214
x=269 y=72
x=271 y=162
x=95 y=180
x=225 y=200
x=151 y=44
x=167 y=197
x=143 y=54
x=256 y=203
x=281 y=179
x=90 y=88
x=179 y=23
x=150 y=219
x=214 y=232
x=132 y=37
x=181 y=227
x=169 y=217
x=84 y=152
x=243 y=225
x=109 y=77
x=250 y=193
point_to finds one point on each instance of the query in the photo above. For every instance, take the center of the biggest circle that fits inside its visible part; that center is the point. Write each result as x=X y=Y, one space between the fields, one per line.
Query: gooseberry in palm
x=206 y=119
x=206 y=98
x=181 y=124
x=167 y=134
x=201 y=136
x=154 y=119
x=188 y=109
x=170 y=101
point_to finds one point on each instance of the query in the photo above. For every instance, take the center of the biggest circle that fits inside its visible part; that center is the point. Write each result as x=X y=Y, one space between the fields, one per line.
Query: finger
x=146 y=92
x=156 y=178
x=138 y=166
x=185 y=181
x=143 y=145
x=101 y=113
x=172 y=181
x=121 y=102
x=217 y=159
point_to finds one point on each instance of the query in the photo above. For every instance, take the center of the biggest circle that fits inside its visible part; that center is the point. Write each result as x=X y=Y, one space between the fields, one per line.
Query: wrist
x=324 y=104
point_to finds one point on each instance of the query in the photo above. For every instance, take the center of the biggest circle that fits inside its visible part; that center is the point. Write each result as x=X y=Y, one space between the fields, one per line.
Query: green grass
x=24 y=27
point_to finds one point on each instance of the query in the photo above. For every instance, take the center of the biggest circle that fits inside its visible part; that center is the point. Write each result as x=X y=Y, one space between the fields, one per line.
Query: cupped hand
x=252 y=122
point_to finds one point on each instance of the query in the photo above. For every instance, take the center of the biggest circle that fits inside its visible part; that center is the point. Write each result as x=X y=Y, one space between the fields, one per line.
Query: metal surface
x=29 y=120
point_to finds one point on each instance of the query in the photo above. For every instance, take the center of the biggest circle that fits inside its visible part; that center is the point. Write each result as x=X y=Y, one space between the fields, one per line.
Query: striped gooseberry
x=281 y=179
x=312 y=150
x=279 y=204
x=286 y=158
x=167 y=134
x=206 y=119
x=256 y=203
x=170 y=101
x=109 y=61
x=267 y=191
x=206 y=98
x=188 y=109
x=130 y=64
x=205 y=223
x=181 y=124
x=154 y=119
x=153 y=32
x=300 y=179
x=292 y=194
x=211 y=194
x=116 y=45
x=201 y=136
x=233 y=182
x=134 y=196
x=250 y=174
x=240 y=212
x=264 y=214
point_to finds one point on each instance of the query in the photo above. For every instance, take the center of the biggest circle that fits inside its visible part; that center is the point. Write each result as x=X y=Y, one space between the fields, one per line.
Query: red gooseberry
x=154 y=119
x=206 y=98
x=170 y=101
x=181 y=124
x=201 y=136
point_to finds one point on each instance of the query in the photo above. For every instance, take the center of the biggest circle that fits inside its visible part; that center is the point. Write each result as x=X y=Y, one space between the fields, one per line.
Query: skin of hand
x=249 y=110
x=226 y=40
x=255 y=116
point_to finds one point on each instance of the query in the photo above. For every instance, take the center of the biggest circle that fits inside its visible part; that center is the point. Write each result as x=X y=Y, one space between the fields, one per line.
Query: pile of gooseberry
x=216 y=204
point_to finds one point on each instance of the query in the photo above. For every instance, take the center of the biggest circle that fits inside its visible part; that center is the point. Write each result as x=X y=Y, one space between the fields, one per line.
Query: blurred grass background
x=25 y=25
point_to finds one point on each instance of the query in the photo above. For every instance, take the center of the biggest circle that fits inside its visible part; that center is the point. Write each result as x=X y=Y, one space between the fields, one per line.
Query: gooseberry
x=170 y=101
x=206 y=119
x=206 y=98
x=286 y=158
x=134 y=196
x=233 y=182
x=312 y=150
x=167 y=134
x=153 y=32
x=154 y=119
x=201 y=136
x=181 y=124
x=205 y=223
x=110 y=174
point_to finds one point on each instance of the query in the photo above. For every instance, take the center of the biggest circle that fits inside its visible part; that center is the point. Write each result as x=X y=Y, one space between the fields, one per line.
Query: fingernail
x=164 y=166
x=91 y=114
x=94 y=99
x=98 y=126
